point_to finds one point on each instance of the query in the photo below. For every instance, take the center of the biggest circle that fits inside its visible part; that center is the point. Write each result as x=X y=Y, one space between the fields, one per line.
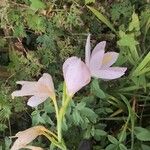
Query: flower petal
x=36 y=100
x=26 y=82
x=46 y=85
x=26 y=136
x=76 y=74
x=28 y=88
x=34 y=148
x=97 y=56
x=109 y=59
x=69 y=61
x=110 y=73
x=88 y=51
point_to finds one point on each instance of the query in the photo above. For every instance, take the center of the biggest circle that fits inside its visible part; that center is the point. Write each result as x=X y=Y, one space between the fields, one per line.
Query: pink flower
x=40 y=90
x=34 y=148
x=99 y=62
x=76 y=74
x=27 y=136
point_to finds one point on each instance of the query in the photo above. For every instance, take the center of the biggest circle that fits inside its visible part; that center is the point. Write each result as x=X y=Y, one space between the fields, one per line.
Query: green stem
x=56 y=108
x=124 y=129
x=56 y=139
x=60 y=145
x=61 y=116
x=64 y=93
x=51 y=133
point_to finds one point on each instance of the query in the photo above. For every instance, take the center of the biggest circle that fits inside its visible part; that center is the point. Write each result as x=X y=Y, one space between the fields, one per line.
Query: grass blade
x=102 y=18
x=142 y=65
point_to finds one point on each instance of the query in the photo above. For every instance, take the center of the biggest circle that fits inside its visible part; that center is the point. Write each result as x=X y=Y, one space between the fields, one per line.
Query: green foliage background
x=36 y=36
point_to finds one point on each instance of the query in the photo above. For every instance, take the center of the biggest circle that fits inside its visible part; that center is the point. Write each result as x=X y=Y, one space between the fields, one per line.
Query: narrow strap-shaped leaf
x=142 y=65
x=102 y=18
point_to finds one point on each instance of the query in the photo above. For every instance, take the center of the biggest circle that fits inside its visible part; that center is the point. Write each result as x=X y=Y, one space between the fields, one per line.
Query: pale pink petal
x=28 y=88
x=26 y=136
x=100 y=46
x=69 y=61
x=46 y=79
x=76 y=75
x=40 y=90
x=26 y=82
x=97 y=56
x=46 y=85
x=109 y=59
x=109 y=73
x=34 y=148
x=35 y=100
x=87 y=51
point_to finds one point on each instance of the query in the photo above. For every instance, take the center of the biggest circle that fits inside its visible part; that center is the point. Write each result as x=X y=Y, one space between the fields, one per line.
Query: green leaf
x=36 y=22
x=96 y=89
x=102 y=18
x=47 y=119
x=37 y=4
x=141 y=68
x=116 y=102
x=112 y=139
x=89 y=113
x=8 y=143
x=131 y=117
x=89 y=1
x=87 y=133
x=121 y=9
x=134 y=24
x=145 y=22
x=142 y=134
x=36 y=118
x=19 y=31
x=132 y=88
x=126 y=39
x=92 y=131
x=64 y=125
x=81 y=105
x=140 y=81
x=122 y=147
x=99 y=134
x=77 y=117
x=111 y=147
x=3 y=127
x=129 y=41
x=123 y=136
x=48 y=107
x=145 y=147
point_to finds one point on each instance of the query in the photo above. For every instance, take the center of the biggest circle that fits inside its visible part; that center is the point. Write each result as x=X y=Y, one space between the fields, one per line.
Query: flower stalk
x=62 y=112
